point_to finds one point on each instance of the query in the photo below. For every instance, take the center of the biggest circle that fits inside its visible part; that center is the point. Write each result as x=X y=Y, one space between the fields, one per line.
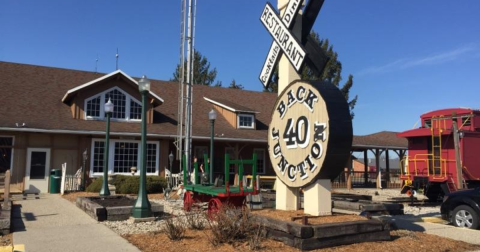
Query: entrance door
x=38 y=165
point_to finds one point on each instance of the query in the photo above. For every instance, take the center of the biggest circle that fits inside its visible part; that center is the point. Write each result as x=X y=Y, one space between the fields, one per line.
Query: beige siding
x=230 y=116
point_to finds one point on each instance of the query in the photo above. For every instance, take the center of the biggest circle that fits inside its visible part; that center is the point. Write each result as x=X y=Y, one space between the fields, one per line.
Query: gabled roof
x=383 y=139
x=72 y=92
x=229 y=105
x=32 y=95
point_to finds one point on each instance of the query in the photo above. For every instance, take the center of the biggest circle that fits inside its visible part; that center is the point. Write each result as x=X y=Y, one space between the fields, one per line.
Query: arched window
x=125 y=106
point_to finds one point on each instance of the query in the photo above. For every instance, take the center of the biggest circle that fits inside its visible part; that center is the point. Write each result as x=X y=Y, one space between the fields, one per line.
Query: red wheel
x=213 y=206
x=187 y=201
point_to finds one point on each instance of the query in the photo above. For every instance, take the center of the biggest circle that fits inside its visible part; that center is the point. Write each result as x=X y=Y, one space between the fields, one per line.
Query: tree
x=332 y=73
x=234 y=85
x=202 y=74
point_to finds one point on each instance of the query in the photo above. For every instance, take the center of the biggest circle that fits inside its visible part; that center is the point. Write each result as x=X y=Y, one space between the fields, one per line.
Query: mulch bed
x=287 y=215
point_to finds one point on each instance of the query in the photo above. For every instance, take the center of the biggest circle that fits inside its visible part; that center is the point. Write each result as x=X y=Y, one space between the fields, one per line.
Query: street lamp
x=212 y=115
x=108 y=111
x=142 y=207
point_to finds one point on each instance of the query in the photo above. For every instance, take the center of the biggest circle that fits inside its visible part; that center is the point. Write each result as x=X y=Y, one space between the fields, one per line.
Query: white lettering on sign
x=298 y=134
x=273 y=54
x=284 y=38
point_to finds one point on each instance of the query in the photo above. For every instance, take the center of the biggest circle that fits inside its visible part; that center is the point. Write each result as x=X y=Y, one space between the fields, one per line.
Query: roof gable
x=118 y=73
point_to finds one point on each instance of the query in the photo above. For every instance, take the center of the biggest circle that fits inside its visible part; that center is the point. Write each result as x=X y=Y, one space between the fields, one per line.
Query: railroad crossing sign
x=296 y=49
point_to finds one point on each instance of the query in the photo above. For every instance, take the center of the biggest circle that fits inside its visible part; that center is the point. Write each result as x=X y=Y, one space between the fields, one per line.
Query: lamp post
x=142 y=207
x=212 y=115
x=108 y=111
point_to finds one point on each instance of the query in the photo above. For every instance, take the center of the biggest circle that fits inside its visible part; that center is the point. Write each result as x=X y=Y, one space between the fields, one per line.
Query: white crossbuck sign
x=284 y=41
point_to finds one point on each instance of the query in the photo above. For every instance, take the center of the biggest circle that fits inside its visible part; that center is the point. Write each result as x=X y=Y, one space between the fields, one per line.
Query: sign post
x=310 y=133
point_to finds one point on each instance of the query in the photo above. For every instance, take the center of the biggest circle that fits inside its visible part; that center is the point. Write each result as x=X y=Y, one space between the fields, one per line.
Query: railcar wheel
x=465 y=216
x=213 y=207
x=187 y=201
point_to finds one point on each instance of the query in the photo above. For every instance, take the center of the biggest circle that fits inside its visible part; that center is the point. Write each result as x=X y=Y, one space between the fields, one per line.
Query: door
x=38 y=167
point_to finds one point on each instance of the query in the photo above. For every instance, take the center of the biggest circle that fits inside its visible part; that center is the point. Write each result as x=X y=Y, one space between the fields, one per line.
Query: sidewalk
x=428 y=226
x=52 y=223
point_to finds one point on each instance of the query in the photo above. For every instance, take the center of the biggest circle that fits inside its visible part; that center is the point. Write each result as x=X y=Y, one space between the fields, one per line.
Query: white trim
x=93 y=132
x=263 y=158
x=12 y=155
x=245 y=127
x=103 y=78
x=111 y=156
x=128 y=99
x=229 y=108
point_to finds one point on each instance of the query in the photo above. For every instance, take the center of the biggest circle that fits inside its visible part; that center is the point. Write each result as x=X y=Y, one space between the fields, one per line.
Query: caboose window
x=466 y=121
x=428 y=123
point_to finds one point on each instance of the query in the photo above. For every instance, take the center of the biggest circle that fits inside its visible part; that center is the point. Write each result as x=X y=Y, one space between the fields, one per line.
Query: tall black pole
x=141 y=208
x=212 y=135
x=105 y=191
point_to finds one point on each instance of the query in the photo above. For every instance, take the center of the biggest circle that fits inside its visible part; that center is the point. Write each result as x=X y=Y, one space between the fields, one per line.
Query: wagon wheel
x=187 y=201
x=214 y=206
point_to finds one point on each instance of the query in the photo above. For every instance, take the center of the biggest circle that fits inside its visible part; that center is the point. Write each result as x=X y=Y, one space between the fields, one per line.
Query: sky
x=407 y=57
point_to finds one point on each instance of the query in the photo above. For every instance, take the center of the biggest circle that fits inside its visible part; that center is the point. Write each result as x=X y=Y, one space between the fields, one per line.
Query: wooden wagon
x=220 y=193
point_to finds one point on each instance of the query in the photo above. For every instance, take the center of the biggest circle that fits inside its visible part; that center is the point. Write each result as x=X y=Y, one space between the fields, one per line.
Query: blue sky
x=407 y=57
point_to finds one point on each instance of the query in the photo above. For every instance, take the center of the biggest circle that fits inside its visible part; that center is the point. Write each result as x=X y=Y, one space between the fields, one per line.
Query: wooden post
x=6 y=194
x=349 y=180
x=365 y=161
x=456 y=141
x=387 y=166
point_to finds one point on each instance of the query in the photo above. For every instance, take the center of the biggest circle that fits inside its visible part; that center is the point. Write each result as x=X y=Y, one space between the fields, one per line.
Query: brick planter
x=309 y=237
x=114 y=213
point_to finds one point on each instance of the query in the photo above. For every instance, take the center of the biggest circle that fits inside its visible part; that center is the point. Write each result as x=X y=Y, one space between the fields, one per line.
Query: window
x=260 y=160
x=126 y=156
x=123 y=154
x=126 y=108
x=6 y=153
x=199 y=152
x=428 y=123
x=245 y=121
x=466 y=121
x=230 y=151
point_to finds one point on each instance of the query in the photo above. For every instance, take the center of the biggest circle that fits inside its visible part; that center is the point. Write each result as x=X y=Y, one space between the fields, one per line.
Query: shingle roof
x=33 y=95
x=232 y=106
x=380 y=139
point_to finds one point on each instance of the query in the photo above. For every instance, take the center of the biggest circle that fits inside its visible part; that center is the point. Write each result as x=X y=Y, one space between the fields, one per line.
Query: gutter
x=86 y=132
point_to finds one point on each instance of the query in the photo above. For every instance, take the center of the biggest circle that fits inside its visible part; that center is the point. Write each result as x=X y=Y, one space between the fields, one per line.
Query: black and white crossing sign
x=273 y=54
x=296 y=49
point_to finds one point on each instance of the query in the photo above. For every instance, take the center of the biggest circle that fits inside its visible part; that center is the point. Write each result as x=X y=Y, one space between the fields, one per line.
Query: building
x=51 y=116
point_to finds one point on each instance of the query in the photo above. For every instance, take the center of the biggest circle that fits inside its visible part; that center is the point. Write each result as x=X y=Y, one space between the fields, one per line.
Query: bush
x=230 y=225
x=129 y=184
x=96 y=185
x=174 y=228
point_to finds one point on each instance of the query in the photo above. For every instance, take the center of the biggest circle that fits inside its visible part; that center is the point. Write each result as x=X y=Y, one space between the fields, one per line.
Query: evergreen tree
x=234 y=85
x=202 y=74
x=332 y=73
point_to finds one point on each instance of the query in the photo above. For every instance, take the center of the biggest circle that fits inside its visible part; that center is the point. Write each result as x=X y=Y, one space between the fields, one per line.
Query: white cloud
x=405 y=63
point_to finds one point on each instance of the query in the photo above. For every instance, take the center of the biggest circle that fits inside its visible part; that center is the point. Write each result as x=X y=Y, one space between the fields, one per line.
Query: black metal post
x=142 y=207
x=212 y=135
x=105 y=191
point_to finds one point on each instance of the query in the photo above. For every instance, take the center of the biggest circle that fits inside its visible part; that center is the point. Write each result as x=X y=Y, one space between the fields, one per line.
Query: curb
x=14 y=248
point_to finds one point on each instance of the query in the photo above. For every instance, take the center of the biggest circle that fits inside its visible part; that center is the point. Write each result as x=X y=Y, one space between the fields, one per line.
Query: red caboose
x=444 y=153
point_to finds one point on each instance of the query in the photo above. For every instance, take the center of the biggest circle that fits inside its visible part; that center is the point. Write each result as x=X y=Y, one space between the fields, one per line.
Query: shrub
x=129 y=184
x=174 y=228
x=195 y=219
x=96 y=185
x=231 y=224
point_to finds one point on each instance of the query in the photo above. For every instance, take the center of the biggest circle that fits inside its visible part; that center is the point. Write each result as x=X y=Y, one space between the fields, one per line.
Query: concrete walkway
x=440 y=229
x=51 y=223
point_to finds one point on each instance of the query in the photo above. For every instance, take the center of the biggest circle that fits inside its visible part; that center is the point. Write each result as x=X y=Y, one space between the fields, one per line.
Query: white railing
x=174 y=179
